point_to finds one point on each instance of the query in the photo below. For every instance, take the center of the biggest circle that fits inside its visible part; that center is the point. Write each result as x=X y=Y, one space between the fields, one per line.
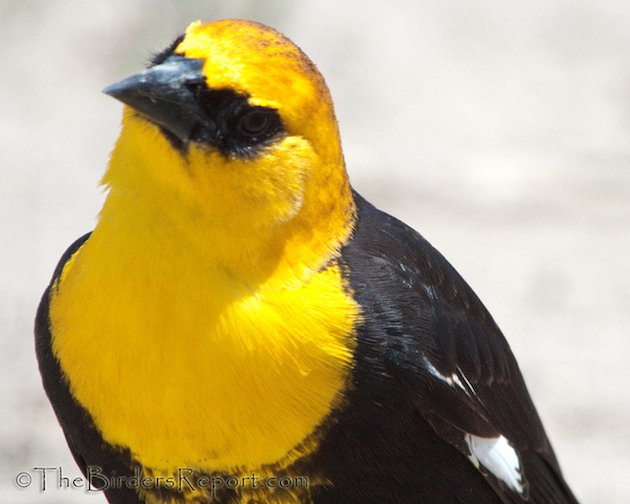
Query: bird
x=242 y=326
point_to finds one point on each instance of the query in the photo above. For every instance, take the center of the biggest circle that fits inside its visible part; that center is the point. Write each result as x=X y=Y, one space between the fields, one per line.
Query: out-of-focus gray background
x=499 y=129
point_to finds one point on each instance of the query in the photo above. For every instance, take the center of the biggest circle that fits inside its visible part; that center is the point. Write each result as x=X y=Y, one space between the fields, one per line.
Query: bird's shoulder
x=397 y=271
x=428 y=330
x=69 y=254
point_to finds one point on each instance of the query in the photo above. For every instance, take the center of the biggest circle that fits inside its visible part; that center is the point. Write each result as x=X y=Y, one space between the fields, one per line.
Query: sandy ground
x=500 y=130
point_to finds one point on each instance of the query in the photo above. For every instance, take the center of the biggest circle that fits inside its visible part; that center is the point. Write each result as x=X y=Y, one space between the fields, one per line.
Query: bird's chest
x=189 y=374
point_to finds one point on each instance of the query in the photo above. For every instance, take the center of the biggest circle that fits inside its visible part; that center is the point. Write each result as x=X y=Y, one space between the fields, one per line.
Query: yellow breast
x=187 y=368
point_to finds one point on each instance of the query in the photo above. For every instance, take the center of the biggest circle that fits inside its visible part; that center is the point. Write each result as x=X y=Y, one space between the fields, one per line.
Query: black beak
x=166 y=95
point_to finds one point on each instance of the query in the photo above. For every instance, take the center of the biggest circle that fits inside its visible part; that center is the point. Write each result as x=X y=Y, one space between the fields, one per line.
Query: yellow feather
x=206 y=323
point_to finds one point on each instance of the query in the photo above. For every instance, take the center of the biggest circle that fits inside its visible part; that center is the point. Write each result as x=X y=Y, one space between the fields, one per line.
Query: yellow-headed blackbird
x=241 y=326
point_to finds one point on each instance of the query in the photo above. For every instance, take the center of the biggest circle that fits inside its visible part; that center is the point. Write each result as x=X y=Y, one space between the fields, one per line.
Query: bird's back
x=433 y=378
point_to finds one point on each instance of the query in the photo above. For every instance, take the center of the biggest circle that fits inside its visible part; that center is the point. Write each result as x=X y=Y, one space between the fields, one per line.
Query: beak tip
x=113 y=90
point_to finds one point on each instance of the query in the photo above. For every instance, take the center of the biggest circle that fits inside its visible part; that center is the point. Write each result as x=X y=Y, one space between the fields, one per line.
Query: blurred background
x=499 y=129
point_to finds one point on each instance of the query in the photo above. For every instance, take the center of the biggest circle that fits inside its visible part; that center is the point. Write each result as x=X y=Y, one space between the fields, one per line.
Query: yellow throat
x=206 y=322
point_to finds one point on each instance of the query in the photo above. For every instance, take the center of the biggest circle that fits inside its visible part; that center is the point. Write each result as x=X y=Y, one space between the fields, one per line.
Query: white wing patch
x=495 y=454
x=451 y=380
x=499 y=457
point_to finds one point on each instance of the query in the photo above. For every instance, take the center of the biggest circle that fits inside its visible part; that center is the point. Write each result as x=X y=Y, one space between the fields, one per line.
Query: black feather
x=398 y=436
x=161 y=57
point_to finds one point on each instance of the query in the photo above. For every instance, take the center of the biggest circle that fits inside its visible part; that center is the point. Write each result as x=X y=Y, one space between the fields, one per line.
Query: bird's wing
x=446 y=349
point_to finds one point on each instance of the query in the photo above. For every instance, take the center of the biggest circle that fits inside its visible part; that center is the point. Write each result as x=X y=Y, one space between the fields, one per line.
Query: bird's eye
x=255 y=123
x=251 y=128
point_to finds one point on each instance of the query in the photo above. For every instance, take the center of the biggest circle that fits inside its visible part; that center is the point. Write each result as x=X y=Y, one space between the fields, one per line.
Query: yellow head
x=233 y=129
x=213 y=261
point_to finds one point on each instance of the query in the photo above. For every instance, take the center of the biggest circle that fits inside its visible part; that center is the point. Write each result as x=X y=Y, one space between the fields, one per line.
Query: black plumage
x=399 y=436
